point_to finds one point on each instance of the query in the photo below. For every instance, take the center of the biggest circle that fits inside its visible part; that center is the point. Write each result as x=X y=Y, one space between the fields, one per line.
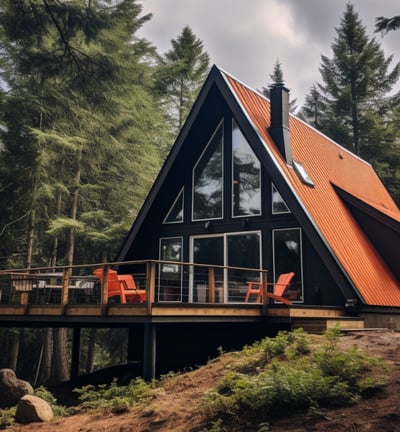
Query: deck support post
x=76 y=345
x=135 y=343
x=149 y=352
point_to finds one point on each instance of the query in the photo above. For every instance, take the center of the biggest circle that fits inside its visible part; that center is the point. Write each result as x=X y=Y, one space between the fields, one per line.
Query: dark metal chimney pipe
x=279 y=129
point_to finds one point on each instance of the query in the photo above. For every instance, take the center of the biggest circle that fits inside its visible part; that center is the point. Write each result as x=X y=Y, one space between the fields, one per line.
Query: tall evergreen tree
x=81 y=125
x=354 y=106
x=181 y=74
x=277 y=78
x=356 y=81
x=80 y=134
x=314 y=107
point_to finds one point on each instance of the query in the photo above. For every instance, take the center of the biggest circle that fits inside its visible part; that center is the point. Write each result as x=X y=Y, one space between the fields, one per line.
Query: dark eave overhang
x=382 y=230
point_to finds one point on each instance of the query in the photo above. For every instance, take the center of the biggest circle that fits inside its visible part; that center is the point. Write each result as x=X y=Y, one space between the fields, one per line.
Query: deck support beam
x=149 y=352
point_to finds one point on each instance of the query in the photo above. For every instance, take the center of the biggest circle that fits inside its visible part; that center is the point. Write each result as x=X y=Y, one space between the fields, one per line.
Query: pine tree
x=385 y=25
x=181 y=74
x=353 y=105
x=81 y=125
x=314 y=107
x=277 y=78
x=356 y=82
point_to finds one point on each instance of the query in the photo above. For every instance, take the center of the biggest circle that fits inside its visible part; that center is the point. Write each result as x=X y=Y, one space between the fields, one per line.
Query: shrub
x=117 y=398
x=292 y=377
x=7 y=417
x=58 y=410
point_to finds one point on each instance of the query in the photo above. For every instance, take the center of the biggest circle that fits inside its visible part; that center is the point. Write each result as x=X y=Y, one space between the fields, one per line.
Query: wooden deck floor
x=117 y=314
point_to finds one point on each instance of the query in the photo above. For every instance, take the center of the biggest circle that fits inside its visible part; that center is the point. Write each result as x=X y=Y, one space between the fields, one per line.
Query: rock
x=32 y=409
x=12 y=388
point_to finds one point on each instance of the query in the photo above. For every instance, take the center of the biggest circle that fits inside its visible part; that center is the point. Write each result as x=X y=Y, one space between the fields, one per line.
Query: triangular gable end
x=251 y=111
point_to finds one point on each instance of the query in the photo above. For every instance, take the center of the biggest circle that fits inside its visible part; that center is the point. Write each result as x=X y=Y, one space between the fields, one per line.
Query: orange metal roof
x=329 y=164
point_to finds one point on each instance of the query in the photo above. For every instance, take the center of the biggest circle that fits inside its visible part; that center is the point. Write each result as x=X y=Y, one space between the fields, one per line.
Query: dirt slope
x=176 y=407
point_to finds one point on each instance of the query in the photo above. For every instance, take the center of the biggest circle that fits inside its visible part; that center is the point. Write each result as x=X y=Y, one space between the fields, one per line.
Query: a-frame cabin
x=248 y=184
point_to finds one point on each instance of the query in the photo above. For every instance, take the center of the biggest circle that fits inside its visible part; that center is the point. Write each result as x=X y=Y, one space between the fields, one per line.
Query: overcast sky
x=246 y=37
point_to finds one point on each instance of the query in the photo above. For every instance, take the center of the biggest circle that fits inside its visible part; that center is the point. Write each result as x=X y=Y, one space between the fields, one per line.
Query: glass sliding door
x=243 y=250
x=170 y=274
x=238 y=250
x=207 y=250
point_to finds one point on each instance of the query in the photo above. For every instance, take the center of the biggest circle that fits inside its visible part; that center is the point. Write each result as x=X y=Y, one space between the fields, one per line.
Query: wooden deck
x=66 y=297
x=31 y=301
x=71 y=315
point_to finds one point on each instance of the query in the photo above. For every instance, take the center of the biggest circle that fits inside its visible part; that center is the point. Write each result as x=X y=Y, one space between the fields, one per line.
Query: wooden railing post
x=104 y=289
x=264 y=288
x=64 y=288
x=211 y=284
x=150 y=285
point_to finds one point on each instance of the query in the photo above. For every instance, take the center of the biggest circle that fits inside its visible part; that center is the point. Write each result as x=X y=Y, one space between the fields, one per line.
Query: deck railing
x=159 y=282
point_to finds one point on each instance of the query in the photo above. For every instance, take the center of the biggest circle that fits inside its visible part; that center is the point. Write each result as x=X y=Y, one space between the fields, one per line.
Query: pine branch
x=13 y=222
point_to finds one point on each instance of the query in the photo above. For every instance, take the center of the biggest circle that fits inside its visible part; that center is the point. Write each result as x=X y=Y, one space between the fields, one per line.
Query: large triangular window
x=208 y=180
x=175 y=213
x=246 y=176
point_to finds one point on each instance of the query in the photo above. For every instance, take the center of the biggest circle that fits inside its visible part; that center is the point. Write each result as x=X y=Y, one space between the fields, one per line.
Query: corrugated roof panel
x=327 y=163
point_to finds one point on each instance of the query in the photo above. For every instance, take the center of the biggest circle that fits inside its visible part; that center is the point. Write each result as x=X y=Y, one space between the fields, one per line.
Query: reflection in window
x=288 y=258
x=246 y=176
x=175 y=213
x=278 y=204
x=208 y=180
x=170 y=275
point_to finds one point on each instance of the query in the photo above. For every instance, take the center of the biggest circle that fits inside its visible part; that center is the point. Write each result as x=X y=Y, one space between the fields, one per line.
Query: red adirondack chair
x=280 y=286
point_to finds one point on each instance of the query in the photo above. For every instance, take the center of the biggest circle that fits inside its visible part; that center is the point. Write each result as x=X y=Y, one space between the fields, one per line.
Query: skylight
x=302 y=173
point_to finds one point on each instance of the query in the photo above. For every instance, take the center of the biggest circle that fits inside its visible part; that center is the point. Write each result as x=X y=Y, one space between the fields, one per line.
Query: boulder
x=32 y=409
x=12 y=388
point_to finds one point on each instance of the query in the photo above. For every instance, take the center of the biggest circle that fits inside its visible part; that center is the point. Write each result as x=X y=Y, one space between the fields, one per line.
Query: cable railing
x=135 y=283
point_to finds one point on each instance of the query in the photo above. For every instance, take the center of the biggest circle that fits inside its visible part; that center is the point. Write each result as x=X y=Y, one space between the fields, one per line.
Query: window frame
x=224 y=236
x=219 y=126
x=160 y=254
x=233 y=171
x=273 y=212
x=181 y=193
x=275 y=273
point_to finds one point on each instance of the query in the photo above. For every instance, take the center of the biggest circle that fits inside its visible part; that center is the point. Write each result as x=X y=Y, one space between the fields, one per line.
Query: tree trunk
x=31 y=237
x=53 y=258
x=60 y=363
x=45 y=366
x=91 y=350
x=74 y=209
x=15 y=340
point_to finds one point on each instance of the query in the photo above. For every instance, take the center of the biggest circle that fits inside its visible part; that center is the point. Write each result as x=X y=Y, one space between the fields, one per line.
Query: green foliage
x=113 y=396
x=81 y=128
x=289 y=375
x=180 y=75
x=58 y=410
x=353 y=104
x=7 y=417
x=385 y=25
